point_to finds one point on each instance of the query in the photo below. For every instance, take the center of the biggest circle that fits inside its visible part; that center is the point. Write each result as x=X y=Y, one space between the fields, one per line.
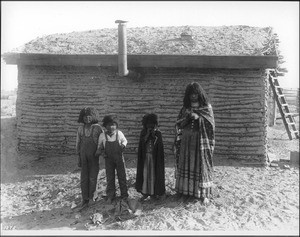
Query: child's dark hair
x=149 y=118
x=109 y=119
x=195 y=88
x=88 y=111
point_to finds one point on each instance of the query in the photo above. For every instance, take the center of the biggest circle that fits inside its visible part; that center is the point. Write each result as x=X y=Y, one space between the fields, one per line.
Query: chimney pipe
x=122 y=48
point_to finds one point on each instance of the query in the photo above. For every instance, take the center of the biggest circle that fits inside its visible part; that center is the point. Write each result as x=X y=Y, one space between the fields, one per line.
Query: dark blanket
x=159 y=163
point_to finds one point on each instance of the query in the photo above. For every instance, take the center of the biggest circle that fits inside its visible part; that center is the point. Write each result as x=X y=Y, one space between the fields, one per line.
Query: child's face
x=194 y=97
x=87 y=119
x=111 y=127
x=150 y=126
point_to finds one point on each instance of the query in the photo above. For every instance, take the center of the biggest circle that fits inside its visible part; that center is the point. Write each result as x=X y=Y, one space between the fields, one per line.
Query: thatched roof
x=183 y=40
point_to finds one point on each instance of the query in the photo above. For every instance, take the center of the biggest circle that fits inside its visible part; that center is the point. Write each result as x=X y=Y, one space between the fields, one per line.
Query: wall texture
x=50 y=98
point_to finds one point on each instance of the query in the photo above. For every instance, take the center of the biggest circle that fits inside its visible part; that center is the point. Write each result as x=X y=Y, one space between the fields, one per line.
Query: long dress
x=194 y=176
x=150 y=177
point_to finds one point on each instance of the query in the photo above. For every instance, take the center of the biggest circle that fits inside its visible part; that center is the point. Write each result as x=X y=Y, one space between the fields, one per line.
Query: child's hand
x=98 y=153
x=123 y=147
x=195 y=116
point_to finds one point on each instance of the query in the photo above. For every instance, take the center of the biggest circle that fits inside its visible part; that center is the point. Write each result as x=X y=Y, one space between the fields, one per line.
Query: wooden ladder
x=287 y=116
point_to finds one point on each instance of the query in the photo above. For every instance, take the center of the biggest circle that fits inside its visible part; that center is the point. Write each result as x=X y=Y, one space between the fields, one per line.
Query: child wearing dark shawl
x=150 y=177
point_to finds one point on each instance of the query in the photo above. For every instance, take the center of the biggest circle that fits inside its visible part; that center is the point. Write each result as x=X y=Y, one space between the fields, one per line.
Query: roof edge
x=170 y=61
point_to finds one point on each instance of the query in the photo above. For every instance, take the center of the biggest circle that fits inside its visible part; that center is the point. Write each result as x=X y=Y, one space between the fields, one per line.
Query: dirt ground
x=38 y=195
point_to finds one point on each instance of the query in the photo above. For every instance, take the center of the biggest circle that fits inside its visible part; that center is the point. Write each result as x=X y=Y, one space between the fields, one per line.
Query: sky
x=23 y=21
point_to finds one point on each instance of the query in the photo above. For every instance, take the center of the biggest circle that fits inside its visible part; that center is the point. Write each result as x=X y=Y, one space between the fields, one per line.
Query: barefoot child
x=86 y=146
x=113 y=142
x=150 y=177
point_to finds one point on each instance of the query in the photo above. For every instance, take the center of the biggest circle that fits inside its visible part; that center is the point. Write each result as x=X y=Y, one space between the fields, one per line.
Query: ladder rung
x=284 y=105
x=296 y=131
x=278 y=87
x=292 y=123
x=288 y=114
x=282 y=95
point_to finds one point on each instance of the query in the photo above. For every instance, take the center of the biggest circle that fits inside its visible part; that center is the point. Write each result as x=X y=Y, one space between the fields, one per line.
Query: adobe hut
x=60 y=74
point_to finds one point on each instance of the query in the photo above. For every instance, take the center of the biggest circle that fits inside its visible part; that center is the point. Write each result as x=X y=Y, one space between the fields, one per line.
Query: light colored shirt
x=102 y=139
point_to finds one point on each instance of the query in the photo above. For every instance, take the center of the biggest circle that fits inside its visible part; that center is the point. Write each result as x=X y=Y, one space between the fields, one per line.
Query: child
x=86 y=146
x=113 y=142
x=150 y=177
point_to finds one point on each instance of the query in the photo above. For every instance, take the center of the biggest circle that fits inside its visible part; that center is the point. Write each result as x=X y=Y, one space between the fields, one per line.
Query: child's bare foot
x=125 y=199
x=205 y=201
x=162 y=197
x=178 y=195
x=153 y=198
x=109 y=200
x=144 y=197
x=92 y=202
x=83 y=204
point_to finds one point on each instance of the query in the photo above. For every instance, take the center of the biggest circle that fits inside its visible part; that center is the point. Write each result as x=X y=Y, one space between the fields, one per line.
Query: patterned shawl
x=206 y=127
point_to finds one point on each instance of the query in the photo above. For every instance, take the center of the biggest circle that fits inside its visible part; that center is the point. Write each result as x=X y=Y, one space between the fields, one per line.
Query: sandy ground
x=38 y=195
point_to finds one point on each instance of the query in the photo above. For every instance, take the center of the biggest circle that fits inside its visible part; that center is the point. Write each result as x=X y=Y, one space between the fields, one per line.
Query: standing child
x=194 y=178
x=113 y=142
x=86 y=146
x=150 y=177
